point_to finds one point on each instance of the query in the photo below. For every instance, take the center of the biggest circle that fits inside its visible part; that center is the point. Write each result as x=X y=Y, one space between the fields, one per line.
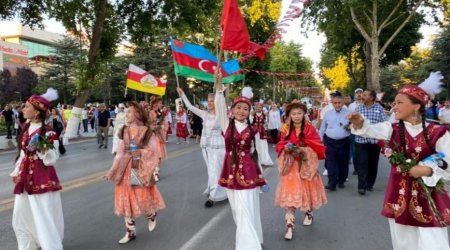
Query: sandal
x=309 y=218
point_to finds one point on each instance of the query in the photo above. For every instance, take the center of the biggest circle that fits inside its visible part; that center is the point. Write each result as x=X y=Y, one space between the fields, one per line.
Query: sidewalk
x=10 y=144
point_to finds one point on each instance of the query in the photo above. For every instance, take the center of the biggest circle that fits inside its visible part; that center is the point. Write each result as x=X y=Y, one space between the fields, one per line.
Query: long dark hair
x=42 y=116
x=289 y=108
x=143 y=117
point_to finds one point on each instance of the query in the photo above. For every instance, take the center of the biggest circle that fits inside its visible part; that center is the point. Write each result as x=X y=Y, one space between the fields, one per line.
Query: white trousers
x=418 y=238
x=245 y=209
x=38 y=221
x=263 y=151
x=214 y=162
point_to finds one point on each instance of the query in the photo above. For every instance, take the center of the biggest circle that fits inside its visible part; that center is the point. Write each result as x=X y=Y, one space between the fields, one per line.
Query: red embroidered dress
x=258 y=124
x=34 y=177
x=404 y=199
x=245 y=174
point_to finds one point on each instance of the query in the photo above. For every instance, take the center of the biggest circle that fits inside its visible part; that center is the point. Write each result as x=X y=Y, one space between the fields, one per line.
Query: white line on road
x=194 y=241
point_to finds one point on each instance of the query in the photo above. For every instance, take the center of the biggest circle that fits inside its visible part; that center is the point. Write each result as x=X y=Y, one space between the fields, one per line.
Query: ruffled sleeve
x=221 y=110
x=380 y=131
x=195 y=110
x=442 y=145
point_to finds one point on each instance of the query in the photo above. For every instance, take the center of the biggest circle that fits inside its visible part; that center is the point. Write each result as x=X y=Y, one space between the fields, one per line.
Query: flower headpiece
x=42 y=102
x=247 y=94
x=426 y=90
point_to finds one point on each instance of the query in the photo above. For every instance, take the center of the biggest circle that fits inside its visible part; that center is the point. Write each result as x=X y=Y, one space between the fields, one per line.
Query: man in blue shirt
x=335 y=135
x=367 y=150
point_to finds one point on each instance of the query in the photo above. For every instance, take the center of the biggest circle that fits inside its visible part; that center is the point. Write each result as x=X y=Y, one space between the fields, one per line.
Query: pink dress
x=134 y=201
x=301 y=186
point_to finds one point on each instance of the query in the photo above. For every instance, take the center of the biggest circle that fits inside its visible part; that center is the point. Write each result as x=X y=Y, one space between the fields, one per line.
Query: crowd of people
x=234 y=140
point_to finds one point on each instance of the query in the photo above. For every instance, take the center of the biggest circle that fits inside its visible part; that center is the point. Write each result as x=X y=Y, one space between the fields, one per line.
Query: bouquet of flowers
x=291 y=151
x=405 y=164
x=40 y=143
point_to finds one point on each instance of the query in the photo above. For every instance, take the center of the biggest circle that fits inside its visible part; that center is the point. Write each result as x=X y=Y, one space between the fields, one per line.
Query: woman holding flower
x=38 y=220
x=418 y=210
x=132 y=171
x=299 y=152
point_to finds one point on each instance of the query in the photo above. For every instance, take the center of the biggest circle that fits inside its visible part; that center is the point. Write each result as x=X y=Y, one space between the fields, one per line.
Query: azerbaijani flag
x=141 y=80
x=195 y=61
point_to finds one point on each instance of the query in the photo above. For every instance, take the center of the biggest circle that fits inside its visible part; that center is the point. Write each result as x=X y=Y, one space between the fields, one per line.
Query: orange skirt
x=136 y=201
x=293 y=191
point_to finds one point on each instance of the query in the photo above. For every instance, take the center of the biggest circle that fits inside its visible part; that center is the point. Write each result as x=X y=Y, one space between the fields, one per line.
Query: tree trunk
x=94 y=49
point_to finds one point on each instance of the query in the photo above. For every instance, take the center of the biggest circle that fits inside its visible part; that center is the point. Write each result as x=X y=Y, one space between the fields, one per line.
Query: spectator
x=367 y=150
x=444 y=113
x=104 y=121
x=84 y=119
x=9 y=119
x=274 y=123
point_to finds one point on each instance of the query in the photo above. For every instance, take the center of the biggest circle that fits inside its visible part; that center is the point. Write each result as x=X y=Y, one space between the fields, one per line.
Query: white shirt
x=444 y=115
x=274 y=119
x=352 y=107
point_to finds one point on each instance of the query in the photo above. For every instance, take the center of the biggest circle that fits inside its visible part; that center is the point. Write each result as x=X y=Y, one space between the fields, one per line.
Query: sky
x=311 y=41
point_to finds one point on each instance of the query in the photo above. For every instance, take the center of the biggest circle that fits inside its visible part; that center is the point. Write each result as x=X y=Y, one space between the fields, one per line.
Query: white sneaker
x=325 y=172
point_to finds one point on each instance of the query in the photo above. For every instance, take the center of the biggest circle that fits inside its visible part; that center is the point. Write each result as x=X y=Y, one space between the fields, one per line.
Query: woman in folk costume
x=119 y=122
x=158 y=125
x=299 y=152
x=132 y=171
x=38 y=220
x=415 y=221
x=213 y=148
x=168 y=115
x=258 y=121
x=241 y=175
x=182 y=130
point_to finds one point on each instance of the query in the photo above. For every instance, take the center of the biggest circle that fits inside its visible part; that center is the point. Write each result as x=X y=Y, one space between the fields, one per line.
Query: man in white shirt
x=358 y=100
x=444 y=113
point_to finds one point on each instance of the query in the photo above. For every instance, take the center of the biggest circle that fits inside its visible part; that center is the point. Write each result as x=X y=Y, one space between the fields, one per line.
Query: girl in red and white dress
x=412 y=220
x=258 y=121
x=182 y=131
x=241 y=175
x=38 y=220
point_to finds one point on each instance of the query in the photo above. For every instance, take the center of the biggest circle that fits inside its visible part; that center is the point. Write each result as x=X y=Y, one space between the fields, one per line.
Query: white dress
x=410 y=237
x=263 y=150
x=213 y=150
x=119 y=122
x=244 y=203
x=38 y=219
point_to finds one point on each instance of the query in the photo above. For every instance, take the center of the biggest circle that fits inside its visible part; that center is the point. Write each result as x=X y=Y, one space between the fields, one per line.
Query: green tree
x=374 y=25
x=60 y=73
x=441 y=56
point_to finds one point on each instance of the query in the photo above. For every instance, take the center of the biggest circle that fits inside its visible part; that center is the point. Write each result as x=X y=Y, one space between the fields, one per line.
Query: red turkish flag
x=235 y=35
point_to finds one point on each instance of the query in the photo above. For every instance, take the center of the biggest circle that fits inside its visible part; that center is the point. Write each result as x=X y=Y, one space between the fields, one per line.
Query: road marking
x=202 y=233
x=7 y=204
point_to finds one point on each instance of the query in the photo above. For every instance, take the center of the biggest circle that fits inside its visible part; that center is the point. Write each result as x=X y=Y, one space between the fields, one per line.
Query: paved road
x=348 y=221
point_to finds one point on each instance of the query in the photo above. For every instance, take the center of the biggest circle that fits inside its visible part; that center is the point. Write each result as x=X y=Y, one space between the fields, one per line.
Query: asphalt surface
x=349 y=221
